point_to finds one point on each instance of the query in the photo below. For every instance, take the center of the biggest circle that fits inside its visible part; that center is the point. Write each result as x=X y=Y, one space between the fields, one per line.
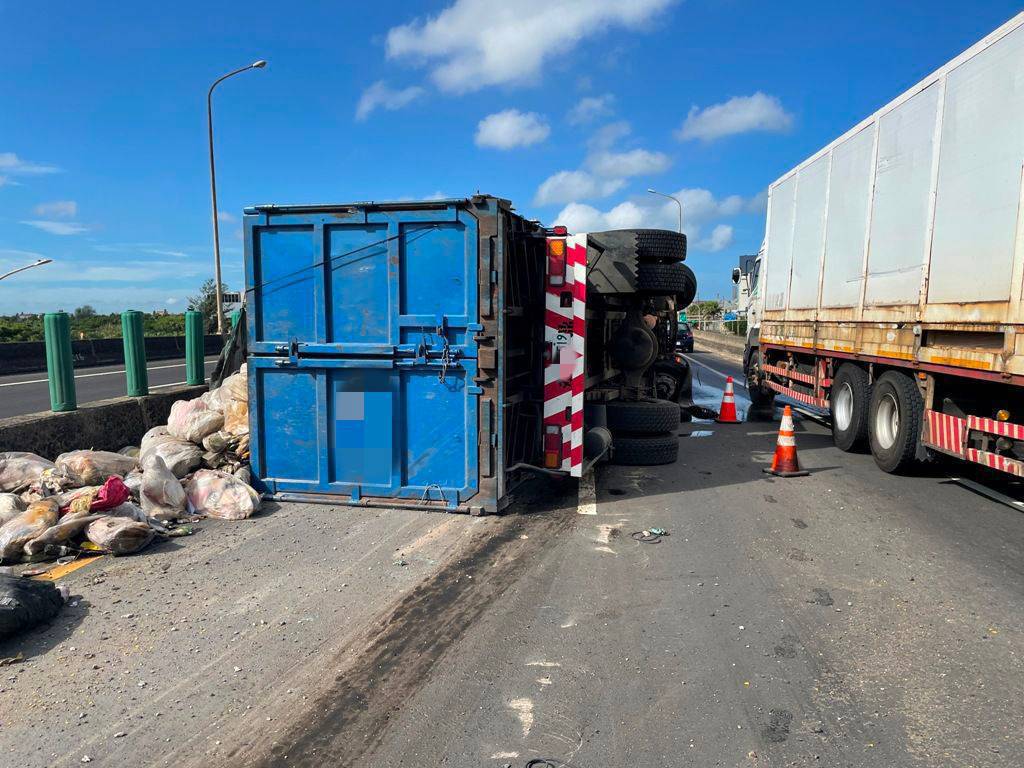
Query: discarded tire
x=647 y=245
x=636 y=451
x=666 y=280
x=642 y=416
x=25 y=603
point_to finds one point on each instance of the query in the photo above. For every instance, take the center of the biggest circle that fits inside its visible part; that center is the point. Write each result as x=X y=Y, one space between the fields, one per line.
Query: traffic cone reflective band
x=785 y=462
x=727 y=413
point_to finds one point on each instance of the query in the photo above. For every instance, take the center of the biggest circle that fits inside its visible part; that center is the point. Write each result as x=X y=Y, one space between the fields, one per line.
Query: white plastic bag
x=180 y=456
x=119 y=535
x=218 y=494
x=14 y=534
x=19 y=469
x=94 y=467
x=193 y=420
x=161 y=494
x=236 y=386
x=11 y=506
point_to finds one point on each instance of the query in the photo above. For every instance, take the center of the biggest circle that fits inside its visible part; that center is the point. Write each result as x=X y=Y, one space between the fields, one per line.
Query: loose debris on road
x=89 y=502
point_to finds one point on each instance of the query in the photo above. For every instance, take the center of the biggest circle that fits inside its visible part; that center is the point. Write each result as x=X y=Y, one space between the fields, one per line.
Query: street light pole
x=677 y=202
x=37 y=263
x=213 y=191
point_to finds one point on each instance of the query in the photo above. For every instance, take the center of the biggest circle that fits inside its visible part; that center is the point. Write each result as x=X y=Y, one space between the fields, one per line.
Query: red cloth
x=114 y=493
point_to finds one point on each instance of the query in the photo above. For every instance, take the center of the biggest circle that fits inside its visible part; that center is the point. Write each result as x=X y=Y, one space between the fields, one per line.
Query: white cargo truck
x=890 y=286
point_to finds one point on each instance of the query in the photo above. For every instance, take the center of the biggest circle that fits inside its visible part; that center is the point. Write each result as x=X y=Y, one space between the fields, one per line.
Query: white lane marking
x=524 y=711
x=543 y=664
x=587 y=504
x=104 y=373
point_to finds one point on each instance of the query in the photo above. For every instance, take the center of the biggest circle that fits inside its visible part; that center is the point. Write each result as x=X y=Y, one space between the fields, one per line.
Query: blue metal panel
x=362 y=284
x=351 y=311
x=381 y=430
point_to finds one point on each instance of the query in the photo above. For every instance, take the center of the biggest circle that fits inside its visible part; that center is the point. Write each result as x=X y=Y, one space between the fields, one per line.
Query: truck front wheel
x=894 y=421
x=850 y=398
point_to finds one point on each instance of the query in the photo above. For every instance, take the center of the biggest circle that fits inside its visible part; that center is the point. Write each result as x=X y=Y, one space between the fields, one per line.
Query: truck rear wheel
x=667 y=280
x=647 y=245
x=642 y=416
x=894 y=421
x=635 y=451
x=850 y=397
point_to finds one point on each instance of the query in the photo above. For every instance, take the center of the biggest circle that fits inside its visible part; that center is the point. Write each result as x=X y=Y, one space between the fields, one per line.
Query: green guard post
x=195 y=348
x=134 y=353
x=60 y=368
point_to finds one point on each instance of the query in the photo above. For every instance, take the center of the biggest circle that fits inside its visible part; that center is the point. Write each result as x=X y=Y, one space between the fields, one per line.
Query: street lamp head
x=653 y=192
x=43 y=261
x=260 y=64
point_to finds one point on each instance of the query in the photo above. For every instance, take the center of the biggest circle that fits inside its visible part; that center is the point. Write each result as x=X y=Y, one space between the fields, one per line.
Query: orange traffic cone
x=727 y=414
x=785 y=462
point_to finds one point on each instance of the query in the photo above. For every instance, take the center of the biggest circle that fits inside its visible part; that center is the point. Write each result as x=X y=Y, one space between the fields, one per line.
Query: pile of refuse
x=96 y=502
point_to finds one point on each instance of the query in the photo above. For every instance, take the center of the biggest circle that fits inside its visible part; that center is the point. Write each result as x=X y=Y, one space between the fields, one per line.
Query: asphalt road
x=848 y=618
x=29 y=392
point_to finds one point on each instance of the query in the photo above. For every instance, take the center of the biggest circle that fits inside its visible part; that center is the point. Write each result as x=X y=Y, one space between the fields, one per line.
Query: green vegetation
x=86 y=323
x=206 y=302
x=705 y=309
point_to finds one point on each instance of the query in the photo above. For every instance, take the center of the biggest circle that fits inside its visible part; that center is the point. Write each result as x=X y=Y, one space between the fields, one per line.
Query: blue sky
x=571 y=109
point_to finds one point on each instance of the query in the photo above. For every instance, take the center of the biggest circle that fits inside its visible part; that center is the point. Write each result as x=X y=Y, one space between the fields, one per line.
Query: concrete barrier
x=30 y=356
x=725 y=343
x=106 y=425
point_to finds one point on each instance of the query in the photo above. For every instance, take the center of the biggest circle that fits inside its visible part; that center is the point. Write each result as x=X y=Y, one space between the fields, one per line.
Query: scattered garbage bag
x=61 y=533
x=19 y=469
x=161 y=494
x=236 y=386
x=14 y=534
x=130 y=450
x=94 y=467
x=129 y=510
x=152 y=435
x=24 y=603
x=133 y=482
x=64 y=498
x=193 y=420
x=11 y=506
x=236 y=417
x=180 y=456
x=107 y=496
x=119 y=535
x=219 y=494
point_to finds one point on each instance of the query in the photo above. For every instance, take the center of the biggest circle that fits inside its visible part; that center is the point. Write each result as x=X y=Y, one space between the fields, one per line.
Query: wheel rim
x=887 y=421
x=842 y=407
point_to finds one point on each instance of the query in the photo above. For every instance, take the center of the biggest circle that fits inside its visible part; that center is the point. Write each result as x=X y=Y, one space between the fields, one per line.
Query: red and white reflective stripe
x=565 y=335
x=995 y=461
x=993 y=427
x=945 y=432
x=806 y=378
x=817 y=402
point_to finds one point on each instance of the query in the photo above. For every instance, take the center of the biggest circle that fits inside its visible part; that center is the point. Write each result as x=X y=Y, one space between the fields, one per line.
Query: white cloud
x=740 y=114
x=382 y=96
x=474 y=44
x=590 y=108
x=701 y=209
x=567 y=186
x=721 y=237
x=6 y=180
x=226 y=217
x=57 y=227
x=59 y=209
x=10 y=163
x=511 y=128
x=635 y=162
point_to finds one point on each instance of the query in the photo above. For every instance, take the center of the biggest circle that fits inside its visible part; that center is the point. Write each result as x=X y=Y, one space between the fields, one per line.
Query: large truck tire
x=850 y=398
x=643 y=417
x=636 y=451
x=894 y=422
x=686 y=296
x=647 y=245
x=666 y=280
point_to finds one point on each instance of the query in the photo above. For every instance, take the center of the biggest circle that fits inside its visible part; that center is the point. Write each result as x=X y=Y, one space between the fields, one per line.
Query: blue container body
x=365 y=323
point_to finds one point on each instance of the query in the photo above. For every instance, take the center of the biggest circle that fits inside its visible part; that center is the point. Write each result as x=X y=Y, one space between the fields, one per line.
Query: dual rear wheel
x=885 y=416
x=643 y=431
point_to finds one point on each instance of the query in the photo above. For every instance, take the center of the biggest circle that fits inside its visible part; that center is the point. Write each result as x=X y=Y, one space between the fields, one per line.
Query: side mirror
x=736 y=275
